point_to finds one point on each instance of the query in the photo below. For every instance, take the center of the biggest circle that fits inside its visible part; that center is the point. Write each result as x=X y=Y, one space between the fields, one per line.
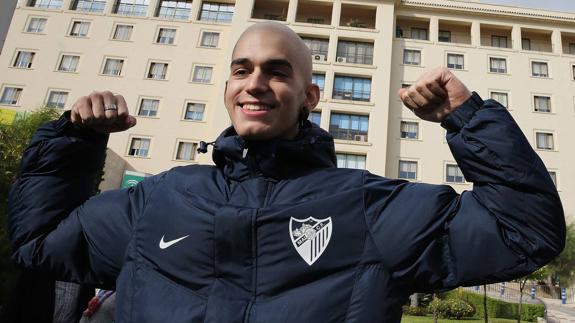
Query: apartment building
x=170 y=60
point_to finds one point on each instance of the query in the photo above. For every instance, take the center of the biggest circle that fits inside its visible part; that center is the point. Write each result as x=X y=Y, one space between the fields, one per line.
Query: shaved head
x=298 y=50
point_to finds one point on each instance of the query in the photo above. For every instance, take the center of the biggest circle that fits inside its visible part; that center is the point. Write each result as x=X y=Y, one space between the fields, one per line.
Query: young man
x=274 y=232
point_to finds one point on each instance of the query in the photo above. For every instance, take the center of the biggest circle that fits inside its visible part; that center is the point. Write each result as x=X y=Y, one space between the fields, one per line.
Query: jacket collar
x=239 y=159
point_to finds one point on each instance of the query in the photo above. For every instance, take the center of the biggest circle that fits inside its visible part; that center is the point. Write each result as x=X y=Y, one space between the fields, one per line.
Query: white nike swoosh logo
x=166 y=244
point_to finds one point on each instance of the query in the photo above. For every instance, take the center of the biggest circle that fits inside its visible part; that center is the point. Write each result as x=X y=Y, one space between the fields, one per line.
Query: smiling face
x=269 y=83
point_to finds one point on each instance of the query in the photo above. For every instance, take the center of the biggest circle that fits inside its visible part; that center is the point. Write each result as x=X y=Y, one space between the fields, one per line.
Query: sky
x=556 y=5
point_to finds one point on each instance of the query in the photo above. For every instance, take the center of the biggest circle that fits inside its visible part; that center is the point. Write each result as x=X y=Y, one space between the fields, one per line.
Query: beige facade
x=171 y=61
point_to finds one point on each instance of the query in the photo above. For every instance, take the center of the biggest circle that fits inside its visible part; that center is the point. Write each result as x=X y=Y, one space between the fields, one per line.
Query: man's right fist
x=103 y=112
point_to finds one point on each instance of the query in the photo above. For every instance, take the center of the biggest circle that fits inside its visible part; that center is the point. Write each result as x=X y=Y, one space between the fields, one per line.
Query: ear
x=311 y=97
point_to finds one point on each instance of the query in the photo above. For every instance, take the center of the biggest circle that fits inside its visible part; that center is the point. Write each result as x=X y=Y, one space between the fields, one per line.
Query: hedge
x=498 y=308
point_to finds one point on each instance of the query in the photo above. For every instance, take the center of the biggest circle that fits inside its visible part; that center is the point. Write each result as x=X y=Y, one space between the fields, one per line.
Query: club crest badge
x=310 y=237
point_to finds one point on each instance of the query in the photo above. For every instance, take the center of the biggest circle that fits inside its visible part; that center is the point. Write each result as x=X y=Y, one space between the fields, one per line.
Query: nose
x=257 y=82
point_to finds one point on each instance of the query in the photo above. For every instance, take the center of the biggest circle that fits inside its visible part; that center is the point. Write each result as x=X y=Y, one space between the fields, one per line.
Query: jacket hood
x=240 y=159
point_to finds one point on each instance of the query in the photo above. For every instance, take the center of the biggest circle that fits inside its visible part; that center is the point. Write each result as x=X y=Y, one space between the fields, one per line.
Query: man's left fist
x=435 y=94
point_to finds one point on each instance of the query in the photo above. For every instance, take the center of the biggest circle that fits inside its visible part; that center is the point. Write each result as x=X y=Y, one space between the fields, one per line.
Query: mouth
x=255 y=106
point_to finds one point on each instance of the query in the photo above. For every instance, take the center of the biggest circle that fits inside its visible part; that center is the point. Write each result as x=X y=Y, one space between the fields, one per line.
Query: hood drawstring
x=203 y=148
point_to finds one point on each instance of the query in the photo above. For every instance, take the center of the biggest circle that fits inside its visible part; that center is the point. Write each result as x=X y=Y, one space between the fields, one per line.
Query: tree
x=562 y=268
x=540 y=274
x=14 y=138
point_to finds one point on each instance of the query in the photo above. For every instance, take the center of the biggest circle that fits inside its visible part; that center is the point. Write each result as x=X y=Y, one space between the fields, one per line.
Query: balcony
x=128 y=8
x=270 y=9
x=349 y=127
x=89 y=5
x=318 y=47
x=496 y=36
x=412 y=28
x=536 y=40
x=46 y=4
x=357 y=16
x=354 y=52
x=456 y=32
x=568 y=41
x=314 y=12
x=174 y=9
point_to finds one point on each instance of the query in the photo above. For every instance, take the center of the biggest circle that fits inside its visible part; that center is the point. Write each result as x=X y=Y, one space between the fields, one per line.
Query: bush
x=451 y=308
x=499 y=309
x=414 y=311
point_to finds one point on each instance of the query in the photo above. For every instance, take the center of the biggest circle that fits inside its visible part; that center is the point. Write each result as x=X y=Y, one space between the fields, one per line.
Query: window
x=186 y=150
x=195 y=111
x=57 y=99
x=539 y=69
x=352 y=88
x=139 y=147
x=166 y=36
x=113 y=66
x=542 y=103
x=500 y=97
x=89 y=5
x=148 y=107
x=68 y=63
x=349 y=127
x=407 y=169
x=210 y=39
x=453 y=174
x=573 y=70
x=315 y=117
x=444 y=36
x=553 y=176
x=318 y=47
x=411 y=57
x=79 y=28
x=497 y=65
x=175 y=9
x=123 y=32
x=24 y=59
x=157 y=71
x=202 y=74
x=419 y=33
x=10 y=95
x=525 y=43
x=319 y=80
x=217 y=12
x=138 y=8
x=572 y=48
x=354 y=52
x=409 y=130
x=544 y=140
x=46 y=4
x=455 y=61
x=499 y=41
x=36 y=25
x=350 y=161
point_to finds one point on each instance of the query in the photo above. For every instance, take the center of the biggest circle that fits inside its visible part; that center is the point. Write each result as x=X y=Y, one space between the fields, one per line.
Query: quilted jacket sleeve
x=510 y=224
x=53 y=226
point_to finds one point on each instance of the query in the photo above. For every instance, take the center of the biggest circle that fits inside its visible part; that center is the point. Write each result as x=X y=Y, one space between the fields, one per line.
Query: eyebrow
x=272 y=62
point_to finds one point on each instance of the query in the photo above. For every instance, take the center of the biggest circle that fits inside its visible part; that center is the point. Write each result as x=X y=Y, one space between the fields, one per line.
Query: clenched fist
x=435 y=94
x=102 y=112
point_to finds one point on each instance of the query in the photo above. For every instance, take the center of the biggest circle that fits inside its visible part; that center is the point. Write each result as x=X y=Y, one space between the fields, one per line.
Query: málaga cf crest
x=310 y=237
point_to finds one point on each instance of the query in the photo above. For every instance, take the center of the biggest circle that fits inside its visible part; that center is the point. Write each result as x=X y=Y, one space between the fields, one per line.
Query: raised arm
x=510 y=224
x=52 y=227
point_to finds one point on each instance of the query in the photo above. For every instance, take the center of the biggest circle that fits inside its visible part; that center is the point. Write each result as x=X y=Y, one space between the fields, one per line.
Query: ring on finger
x=110 y=107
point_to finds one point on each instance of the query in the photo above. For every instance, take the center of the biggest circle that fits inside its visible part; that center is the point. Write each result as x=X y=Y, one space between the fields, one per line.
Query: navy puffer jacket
x=276 y=233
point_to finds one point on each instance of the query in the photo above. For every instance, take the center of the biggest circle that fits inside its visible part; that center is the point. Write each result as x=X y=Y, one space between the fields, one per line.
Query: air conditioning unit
x=318 y=57
x=347 y=95
x=341 y=59
x=360 y=138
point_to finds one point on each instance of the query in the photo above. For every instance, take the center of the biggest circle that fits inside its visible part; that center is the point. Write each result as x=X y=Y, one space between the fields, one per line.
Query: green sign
x=132 y=178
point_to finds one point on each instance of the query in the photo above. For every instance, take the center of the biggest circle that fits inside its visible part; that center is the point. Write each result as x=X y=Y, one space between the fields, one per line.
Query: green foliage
x=563 y=267
x=500 y=309
x=451 y=308
x=14 y=139
x=414 y=310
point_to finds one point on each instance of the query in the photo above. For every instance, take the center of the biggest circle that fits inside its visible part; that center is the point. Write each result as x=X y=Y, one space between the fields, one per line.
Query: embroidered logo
x=310 y=237
x=165 y=244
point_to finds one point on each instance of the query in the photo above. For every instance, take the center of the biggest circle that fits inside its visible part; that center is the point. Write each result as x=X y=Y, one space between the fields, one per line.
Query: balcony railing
x=137 y=10
x=351 y=95
x=354 y=59
x=348 y=134
x=90 y=6
x=174 y=13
